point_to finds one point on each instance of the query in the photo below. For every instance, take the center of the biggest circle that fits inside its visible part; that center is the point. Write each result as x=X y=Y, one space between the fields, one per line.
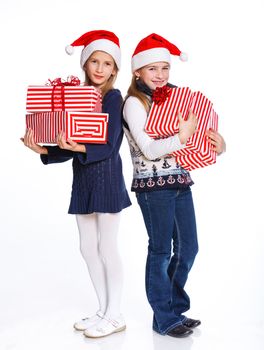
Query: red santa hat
x=154 y=48
x=97 y=40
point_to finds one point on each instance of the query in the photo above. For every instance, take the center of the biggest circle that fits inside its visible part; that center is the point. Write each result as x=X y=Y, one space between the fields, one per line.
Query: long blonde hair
x=134 y=91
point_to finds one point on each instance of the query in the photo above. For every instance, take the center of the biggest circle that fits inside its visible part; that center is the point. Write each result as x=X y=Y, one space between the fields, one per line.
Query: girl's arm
x=48 y=154
x=29 y=142
x=136 y=116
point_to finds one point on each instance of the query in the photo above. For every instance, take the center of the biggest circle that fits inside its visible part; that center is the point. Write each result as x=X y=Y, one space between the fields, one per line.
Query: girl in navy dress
x=98 y=190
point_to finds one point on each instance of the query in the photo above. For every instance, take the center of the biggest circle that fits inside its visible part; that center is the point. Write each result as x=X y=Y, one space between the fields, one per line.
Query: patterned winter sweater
x=154 y=167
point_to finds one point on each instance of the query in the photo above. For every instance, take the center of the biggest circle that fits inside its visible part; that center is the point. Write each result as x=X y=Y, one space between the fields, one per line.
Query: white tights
x=99 y=248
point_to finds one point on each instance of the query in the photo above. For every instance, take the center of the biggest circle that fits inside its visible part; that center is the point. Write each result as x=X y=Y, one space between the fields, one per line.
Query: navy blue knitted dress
x=98 y=183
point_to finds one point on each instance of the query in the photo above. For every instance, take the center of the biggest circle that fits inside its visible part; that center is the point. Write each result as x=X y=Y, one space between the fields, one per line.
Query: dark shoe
x=190 y=323
x=180 y=331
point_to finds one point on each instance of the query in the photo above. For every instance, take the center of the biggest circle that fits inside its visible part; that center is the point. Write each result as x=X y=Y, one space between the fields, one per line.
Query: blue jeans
x=170 y=222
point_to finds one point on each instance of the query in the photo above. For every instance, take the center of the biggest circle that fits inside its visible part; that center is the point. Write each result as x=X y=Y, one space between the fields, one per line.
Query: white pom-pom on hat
x=69 y=49
x=183 y=57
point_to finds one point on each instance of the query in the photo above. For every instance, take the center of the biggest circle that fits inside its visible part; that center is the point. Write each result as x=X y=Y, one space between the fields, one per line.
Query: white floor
x=45 y=288
x=54 y=331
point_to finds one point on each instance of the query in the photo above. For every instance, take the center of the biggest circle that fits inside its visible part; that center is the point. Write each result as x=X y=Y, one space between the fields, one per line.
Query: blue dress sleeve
x=56 y=155
x=111 y=104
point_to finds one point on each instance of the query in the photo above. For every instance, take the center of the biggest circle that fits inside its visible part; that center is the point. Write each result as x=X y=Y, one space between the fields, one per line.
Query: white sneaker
x=88 y=321
x=106 y=327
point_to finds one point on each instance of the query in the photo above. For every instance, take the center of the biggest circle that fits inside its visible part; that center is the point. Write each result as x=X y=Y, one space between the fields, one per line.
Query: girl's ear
x=85 y=69
x=114 y=72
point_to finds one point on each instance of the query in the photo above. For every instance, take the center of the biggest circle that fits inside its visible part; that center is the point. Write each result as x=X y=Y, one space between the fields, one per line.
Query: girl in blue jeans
x=163 y=190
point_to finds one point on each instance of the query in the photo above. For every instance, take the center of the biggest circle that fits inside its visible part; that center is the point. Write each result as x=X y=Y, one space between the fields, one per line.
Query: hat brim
x=101 y=45
x=143 y=58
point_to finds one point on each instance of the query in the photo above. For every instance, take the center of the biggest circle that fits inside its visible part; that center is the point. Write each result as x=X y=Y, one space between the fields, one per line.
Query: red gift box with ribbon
x=205 y=156
x=163 y=122
x=66 y=106
x=59 y=95
x=81 y=127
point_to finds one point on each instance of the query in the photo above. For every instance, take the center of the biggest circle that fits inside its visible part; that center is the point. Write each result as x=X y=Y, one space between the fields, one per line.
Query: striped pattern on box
x=202 y=108
x=81 y=127
x=206 y=156
x=44 y=98
x=162 y=119
x=163 y=122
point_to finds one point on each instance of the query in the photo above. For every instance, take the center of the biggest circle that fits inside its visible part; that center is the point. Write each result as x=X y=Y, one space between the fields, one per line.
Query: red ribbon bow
x=57 y=96
x=71 y=81
x=160 y=94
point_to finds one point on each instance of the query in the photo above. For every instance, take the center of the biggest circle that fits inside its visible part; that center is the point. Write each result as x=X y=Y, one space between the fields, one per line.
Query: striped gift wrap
x=45 y=98
x=84 y=127
x=163 y=122
x=206 y=156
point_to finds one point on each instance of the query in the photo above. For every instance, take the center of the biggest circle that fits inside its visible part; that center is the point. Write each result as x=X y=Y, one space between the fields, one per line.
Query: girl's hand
x=217 y=141
x=29 y=142
x=69 y=144
x=187 y=127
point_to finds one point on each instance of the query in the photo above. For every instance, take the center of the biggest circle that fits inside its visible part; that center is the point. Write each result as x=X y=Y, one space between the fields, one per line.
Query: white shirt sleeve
x=136 y=116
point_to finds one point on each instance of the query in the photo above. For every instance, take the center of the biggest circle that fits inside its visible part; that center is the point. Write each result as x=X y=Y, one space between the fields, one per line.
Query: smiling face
x=154 y=75
x=99 y=67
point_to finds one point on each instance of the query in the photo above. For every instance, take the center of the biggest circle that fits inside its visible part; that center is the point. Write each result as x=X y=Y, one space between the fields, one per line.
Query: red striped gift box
x=206 y=156
x=48 y=98
x=81 y=127
x=163 y=122
x=162 y=119
x=202 y=108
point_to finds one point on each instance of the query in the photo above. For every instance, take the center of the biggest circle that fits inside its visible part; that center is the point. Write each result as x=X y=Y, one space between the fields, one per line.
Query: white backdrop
x=40 y=265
